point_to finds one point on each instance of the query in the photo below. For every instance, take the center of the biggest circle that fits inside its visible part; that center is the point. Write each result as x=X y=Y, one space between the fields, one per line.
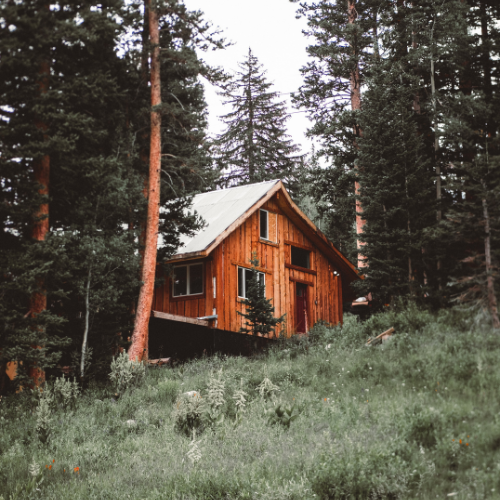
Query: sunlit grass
x=418 y=417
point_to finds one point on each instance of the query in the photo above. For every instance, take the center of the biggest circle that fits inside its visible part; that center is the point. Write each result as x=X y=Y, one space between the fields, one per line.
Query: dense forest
x=102 y=113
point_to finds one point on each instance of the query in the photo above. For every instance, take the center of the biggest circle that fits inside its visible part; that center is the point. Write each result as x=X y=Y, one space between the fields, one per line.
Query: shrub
x=66 y=392
x=361 y=474
x=215 y=398
x=126 y=373
x=43 y=416
x=189 y=414
x=167 y=391
x=281 y=414
x=424 y=425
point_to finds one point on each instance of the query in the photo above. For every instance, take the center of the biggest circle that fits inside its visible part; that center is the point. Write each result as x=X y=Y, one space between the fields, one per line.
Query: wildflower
x=53 y=460
x=50 y=467
x=64 y=470
x=460 y=441
x=76 y=469
x=46 y=466
x=466 y=444
x=34 y=469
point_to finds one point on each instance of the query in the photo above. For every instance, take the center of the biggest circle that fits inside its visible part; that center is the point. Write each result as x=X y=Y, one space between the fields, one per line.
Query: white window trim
x=188 y=284
x=259 y=273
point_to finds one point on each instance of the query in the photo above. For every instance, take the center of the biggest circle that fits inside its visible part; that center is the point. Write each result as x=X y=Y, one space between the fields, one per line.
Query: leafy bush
x=281 y=414
x=167 y=391
x=44 y=416
x=215 y=399
x=361 y=474
x=66 y=392
x=266 y=388
x=126 y=373
x=189 y=414
x=424 y=425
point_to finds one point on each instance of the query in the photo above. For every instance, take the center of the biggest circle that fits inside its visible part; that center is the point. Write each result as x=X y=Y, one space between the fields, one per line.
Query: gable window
x=188 y=280
x=244 y=276
x=301 y=257
x=268 y=226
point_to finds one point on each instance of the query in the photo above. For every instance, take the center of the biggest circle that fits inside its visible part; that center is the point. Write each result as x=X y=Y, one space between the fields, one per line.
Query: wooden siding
x=324 y=292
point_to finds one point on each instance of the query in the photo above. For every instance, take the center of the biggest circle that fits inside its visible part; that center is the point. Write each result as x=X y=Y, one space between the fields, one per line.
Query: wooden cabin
x=304 y=274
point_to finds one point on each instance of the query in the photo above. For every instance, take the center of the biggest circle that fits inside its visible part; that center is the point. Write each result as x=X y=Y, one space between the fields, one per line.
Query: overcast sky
x=275 y=36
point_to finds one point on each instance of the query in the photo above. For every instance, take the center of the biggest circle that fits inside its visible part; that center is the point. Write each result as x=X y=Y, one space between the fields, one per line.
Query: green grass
x=378 y=422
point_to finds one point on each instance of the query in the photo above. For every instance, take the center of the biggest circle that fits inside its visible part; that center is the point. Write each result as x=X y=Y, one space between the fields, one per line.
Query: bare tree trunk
x=41 y=171
x=355 y=85
x=87 y=316
x=490 y=280
x=143 y=151
x=140 y=335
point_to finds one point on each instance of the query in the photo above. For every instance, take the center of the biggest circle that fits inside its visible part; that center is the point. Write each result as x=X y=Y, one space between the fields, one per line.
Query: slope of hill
x=324 y=417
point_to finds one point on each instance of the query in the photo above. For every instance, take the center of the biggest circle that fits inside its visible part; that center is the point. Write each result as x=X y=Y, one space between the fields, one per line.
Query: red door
x=301 y=308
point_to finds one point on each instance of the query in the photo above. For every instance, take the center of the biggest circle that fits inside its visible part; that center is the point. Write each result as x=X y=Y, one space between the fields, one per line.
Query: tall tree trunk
x=490 y=280
x=87 y=322
x=251 y=156
x=355 y=86
x=143 y=151
x=41 y=171
x=140 y=335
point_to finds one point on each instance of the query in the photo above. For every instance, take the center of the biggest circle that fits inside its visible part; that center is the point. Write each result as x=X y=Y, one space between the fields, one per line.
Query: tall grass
x=417 y=417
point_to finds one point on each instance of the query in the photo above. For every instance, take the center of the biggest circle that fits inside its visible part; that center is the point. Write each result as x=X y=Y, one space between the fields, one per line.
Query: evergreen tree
x=93 y=127
x=255 y=146
x=259 y=317
x=396 y=187
x=345 y=41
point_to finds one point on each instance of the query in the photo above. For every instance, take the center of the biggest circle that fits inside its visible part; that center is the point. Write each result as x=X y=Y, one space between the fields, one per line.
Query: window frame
x=309 y=253
x=261 y=211
x=245 y=269
x=188 y=280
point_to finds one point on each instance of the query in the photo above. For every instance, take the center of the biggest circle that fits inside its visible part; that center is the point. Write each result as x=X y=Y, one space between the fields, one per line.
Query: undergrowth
x=318 y=417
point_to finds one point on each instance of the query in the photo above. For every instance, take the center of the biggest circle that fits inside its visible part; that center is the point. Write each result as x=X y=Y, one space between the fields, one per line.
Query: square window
x=244 y=276
x=188 y=280
x=301 y=257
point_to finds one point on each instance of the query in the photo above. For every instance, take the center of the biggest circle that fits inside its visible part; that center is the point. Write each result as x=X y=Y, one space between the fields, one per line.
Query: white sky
x=275 y=36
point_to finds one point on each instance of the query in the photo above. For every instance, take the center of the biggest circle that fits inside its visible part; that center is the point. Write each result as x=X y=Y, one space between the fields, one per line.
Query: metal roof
x=219 y=209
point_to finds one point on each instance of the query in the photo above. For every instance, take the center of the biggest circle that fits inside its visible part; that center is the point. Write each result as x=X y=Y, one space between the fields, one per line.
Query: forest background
x=403 y=98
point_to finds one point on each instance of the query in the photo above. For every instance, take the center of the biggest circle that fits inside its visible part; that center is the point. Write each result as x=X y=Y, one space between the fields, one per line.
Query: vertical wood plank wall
x=324 y=290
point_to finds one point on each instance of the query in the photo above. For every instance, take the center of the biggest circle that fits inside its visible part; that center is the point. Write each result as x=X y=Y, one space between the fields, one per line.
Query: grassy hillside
x=418 y=417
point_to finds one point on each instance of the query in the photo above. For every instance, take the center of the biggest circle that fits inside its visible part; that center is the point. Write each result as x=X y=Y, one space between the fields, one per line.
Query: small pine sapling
x=259 y=315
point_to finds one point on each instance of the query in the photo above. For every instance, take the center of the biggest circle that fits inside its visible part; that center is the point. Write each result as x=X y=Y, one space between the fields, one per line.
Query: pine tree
x=259 y=317
x=255 y=146
x=345 y=42
x=396 y=187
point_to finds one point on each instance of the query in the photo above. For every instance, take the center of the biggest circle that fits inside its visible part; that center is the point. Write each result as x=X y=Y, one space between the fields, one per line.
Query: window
x=268 y=226
x=301 y=257
x=264 y=224
x=188 y=280
x=244 y=276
